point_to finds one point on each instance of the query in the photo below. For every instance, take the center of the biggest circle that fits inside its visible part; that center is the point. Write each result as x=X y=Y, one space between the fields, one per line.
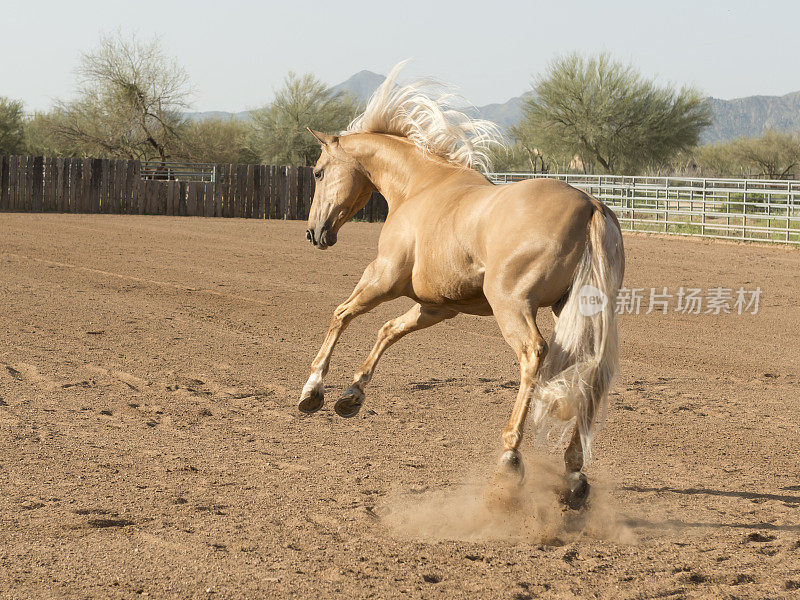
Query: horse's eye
x=318 y=174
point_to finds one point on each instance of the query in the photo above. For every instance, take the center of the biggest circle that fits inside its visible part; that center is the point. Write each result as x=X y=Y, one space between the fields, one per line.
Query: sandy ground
x=150 y=446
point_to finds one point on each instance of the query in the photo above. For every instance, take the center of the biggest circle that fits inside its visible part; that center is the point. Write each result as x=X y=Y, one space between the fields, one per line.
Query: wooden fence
x=93 y=185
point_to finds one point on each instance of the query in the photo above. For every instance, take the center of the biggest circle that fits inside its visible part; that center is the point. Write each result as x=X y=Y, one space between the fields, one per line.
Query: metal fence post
x=703 y=226
x=788 y=207
x=744 y=211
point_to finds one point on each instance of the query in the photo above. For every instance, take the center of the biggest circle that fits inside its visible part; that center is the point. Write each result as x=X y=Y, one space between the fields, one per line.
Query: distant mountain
x=732 y=118
x=360 y=86
x=752 y=115
x=217 y=114
x=506 y=115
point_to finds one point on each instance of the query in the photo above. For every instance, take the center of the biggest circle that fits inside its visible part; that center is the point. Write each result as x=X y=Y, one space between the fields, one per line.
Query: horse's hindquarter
x=535 y=233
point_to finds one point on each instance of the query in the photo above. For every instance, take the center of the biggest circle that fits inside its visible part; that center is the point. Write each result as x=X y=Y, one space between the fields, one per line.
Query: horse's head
x=342 y=189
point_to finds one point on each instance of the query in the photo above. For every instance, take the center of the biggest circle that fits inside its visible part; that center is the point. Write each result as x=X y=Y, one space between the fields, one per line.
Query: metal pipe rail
x=743 y=209
x=178 y=171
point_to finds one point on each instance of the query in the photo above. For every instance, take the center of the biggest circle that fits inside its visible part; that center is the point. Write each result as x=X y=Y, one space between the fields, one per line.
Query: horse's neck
x=397 y=168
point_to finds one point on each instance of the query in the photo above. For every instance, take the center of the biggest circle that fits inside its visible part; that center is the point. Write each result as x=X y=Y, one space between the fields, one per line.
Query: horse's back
x=544 y=211
x=537 y=230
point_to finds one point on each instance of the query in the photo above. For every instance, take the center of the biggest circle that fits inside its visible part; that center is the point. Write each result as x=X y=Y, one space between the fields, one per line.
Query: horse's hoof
x=350 y=403
x=577 y=491
x=511 y=465
x=311 y=400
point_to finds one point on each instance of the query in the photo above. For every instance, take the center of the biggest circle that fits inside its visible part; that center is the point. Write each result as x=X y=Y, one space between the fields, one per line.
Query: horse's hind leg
x=522 y=334
x=419 y=317
x=577 y=485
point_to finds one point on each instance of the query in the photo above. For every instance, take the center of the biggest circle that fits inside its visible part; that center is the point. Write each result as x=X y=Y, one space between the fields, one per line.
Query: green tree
x=216 y=141
x=12 y=139
x=130 y=103
x=774 y=155
x=42 y=137
x=510 y=158
x=597 y=112
x=279 y=134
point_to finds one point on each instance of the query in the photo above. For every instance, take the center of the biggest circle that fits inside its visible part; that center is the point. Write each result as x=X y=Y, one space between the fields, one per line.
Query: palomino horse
x=456 y=243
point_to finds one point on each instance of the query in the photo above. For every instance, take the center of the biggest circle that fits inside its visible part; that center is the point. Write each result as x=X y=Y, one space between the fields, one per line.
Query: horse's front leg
x=373 y=288
x=419 y=317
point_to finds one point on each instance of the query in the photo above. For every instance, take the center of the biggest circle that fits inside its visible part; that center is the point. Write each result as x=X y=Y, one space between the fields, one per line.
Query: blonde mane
x=418 y=111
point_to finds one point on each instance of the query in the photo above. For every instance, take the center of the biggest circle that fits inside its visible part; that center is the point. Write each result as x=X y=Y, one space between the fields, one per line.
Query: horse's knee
x=341 y=316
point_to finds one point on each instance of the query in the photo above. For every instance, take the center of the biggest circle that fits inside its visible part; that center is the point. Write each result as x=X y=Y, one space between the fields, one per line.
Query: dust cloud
x=492 y=507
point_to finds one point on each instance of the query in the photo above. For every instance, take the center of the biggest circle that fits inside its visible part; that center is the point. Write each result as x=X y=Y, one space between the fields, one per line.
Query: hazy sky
x=238 y=52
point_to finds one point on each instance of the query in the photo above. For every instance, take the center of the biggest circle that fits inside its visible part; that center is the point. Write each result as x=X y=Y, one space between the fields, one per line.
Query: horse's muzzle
x=322 y=238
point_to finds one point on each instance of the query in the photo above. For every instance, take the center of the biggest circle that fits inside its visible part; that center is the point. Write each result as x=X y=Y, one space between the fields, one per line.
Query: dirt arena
x=150 y=445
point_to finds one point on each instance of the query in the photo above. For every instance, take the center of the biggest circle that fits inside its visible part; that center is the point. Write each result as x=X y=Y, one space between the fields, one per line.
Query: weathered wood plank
x=117 y=187
x=172 y=196
x=163 y=190
x=86 y=186
x=191 y=199
x=381 y=205
x=24 y=196
x=219 y=198
x=152 y=197
x=94 y=185
x=200 y=199
x=75 y=184
x=247 y=205
x=263 y=201
x=27 y=198
x=271 y=199
x=13 y=182
x=301 y=191
x=208 y=198
x=230 y=190
x=109 y=205
x=141 y=196
x=129 y=206
x=102 y=184
x=308 y=193
x=52 y=168
x=19 y=183
x=62 y=185
x=223 y=188
x=219 y=189
x=292 y=174
x=23 y=199
x=283 y=191
x=47 y=184
x=241 y=190
x=209 y=204
x=371 y=210
x=4 y=160
x=182 y=200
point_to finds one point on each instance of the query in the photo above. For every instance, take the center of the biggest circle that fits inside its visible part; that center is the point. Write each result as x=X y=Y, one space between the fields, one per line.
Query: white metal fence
x=742 y=209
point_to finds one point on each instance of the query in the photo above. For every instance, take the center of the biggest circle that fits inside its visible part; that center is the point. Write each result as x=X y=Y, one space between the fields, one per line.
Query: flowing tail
x=583 y=358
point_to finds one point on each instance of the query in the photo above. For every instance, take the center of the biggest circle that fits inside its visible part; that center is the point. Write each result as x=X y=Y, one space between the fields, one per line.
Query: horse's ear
x=324 y=138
